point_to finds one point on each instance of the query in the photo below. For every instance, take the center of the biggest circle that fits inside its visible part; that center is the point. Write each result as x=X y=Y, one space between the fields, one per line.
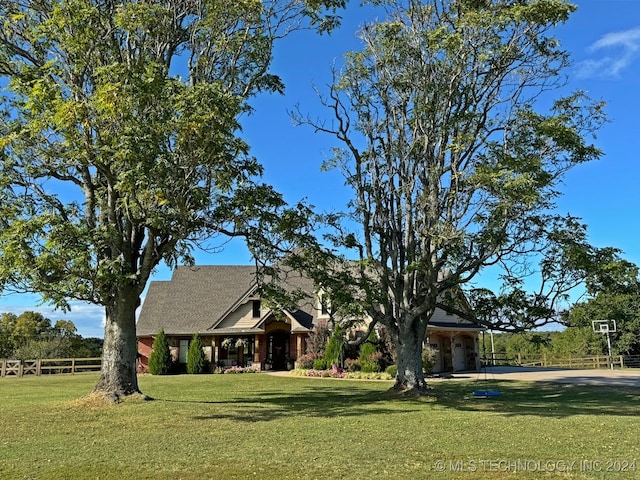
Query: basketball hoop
x=606 y=327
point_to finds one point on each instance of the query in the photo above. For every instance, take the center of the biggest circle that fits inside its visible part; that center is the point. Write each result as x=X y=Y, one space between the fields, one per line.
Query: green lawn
x=261 y=426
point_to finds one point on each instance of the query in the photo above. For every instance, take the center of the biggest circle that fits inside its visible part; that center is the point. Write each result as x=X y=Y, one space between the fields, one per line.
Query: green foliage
x=571 y=342
x=370 y=357
x=320 y=364
x=195 y=356
x=367 y=348
x=577 y=342
x=30 y=335
x=614 y=294
x=160 y=362
x=353 y=365
x=429 y=359
x=392 y=370
x=333 y=354
x=443 y=78
x=131 y=109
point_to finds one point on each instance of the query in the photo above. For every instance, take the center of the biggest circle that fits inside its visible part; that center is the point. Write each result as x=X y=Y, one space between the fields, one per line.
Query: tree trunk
x=118 y=377
x=410 y=378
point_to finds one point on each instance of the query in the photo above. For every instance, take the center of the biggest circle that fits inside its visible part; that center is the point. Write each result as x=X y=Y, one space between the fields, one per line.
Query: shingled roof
x=198 y=297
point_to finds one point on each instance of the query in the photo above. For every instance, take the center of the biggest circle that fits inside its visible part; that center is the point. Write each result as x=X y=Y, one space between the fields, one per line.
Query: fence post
x=38 y=367
x=73 y=366
x=20 y=368
x=3 y=371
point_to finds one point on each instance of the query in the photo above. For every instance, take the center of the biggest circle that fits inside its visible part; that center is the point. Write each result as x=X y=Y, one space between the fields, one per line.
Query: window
x=184 y=351
x=323 y=303
x=324 y=308
x=256 y=309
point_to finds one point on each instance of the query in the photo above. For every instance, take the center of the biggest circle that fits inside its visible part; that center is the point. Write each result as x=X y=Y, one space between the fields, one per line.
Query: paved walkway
x=625 y=377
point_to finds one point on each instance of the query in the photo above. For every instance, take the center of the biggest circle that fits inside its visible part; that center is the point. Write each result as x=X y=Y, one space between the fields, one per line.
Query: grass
x=267 y=427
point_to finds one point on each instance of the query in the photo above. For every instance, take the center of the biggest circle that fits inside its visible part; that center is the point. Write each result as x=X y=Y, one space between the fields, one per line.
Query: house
x=223 y=305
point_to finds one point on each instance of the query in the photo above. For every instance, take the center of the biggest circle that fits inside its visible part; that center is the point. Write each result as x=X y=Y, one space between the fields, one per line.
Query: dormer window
x=256 y=309
x=324 y=308
x=324 y=304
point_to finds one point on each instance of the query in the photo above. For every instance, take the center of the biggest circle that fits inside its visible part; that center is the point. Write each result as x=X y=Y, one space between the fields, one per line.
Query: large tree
x=119 y=144
x=455 y=135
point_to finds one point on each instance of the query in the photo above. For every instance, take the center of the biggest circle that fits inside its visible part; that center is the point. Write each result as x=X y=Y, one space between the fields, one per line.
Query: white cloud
x=618 y=51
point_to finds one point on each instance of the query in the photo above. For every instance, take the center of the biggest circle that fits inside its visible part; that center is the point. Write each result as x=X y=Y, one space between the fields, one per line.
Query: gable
x=194 y=299
x=240 y=317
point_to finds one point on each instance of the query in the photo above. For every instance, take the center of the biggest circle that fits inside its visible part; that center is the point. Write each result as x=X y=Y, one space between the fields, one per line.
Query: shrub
x=160 y=362
x=428 y=359
x=335 y=345
x=319 y=364
x=353 y=365
x=368 y=376
x=195 y=356
x=306 y=361
x=392 y=370
x=317 y=341
x=370 y=357
x=238 y=369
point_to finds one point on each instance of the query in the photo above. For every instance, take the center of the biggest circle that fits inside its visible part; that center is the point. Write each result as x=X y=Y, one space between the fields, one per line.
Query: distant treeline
x=571 y=342
x=32 y=336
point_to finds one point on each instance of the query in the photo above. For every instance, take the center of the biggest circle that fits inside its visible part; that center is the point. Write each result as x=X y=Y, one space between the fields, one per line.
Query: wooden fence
x=592 y=361
x=20 y=368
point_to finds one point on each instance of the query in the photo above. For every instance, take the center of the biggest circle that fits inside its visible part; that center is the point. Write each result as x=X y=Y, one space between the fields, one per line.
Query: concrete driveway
x=625 y=377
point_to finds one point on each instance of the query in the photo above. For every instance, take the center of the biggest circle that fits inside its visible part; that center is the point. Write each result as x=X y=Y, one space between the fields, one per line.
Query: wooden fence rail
x=20 y=368
x=592 y=361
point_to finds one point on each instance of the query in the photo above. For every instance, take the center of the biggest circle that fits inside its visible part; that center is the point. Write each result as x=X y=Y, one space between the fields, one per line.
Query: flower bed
x=339 y=373
x=235 y=369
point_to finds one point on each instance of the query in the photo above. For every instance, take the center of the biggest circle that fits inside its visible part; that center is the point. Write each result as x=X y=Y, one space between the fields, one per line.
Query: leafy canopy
x=455 y=148
x=119 y=135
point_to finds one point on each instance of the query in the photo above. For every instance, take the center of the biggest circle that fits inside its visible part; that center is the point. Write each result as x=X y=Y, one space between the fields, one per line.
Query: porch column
x=256 y=349
x=216 y=349
x=452 y=343
x=299 y=346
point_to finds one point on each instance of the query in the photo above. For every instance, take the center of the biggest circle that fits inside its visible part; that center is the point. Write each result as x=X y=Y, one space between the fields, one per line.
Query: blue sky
x=603 y=37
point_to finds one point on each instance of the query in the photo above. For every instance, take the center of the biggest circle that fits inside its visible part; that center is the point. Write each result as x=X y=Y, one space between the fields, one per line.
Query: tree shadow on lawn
x=544 y=399
x=341 y=399
x=322 y=401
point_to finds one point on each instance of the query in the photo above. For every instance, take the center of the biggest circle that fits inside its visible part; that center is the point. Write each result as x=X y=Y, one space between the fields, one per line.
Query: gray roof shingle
x=198 y=297
x=194 y=299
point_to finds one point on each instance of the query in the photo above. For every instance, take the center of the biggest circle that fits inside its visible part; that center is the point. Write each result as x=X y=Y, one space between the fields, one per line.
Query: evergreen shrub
x=195 y=356
x=160 y=362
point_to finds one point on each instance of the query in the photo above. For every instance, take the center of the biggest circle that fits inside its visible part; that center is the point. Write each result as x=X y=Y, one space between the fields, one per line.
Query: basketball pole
x=609 y=345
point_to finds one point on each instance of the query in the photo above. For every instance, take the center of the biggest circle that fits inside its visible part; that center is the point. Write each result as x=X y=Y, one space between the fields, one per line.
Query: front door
x=278 y=350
